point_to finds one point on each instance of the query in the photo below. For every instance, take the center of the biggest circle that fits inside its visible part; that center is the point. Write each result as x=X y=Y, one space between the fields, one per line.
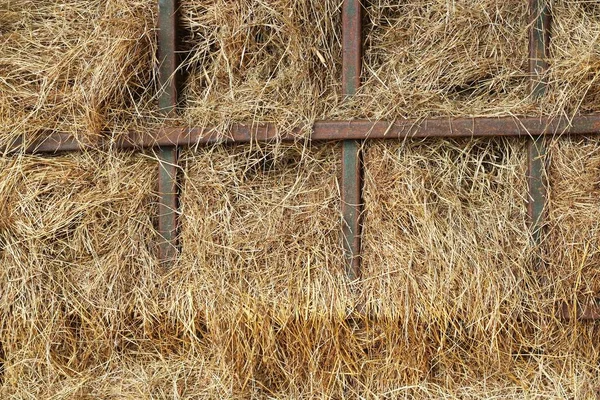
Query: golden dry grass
x=77 y=267
x=444 y=58
x=447 y=266
x=262 y=268
x=449 y=304
x=574 y=58
x=573 y=233
x=258 y=305
x=261 y=61
x=80 y=67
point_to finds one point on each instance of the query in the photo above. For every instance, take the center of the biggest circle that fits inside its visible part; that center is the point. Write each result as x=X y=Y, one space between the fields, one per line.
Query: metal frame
x=351 y=183
x=167 y=156
x=167 y=139
x=539 y=42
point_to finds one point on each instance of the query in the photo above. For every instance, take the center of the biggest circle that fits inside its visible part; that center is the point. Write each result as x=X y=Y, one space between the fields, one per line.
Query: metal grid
x=167 y=139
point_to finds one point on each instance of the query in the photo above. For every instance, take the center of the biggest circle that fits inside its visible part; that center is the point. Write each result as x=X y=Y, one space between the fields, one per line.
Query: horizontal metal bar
x=589 y=312
x=325 y=131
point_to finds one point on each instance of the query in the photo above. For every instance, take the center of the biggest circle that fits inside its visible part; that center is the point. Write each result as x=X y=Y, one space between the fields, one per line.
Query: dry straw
x=575 y=58
x=448 y=275
x=80 y=67
x=573 y=230
x=262 y=267
x=77 y=269
x=261 y=61
x=444 y=58
x=449 y=304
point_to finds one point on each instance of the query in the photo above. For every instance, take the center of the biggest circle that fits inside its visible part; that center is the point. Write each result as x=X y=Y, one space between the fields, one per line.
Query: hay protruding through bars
x=77 y=67
x=253 y=61
x=440 y=58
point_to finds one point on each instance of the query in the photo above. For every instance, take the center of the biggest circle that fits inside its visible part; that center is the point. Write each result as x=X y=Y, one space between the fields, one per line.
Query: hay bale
x=80 y=67
x=256 y=61
x=444 y=58
x=258 y=305
x=573 y=232
x=575 y=58
x=77 y=268
x=262 y=270
x=447 y=268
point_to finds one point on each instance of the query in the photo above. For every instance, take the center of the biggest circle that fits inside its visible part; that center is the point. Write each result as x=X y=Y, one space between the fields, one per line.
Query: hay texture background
x=79 y=67
x=450 y=303
x=77 y=270
x=448 y=266
x=256 y=61
x=262 y=267
x=572 y=250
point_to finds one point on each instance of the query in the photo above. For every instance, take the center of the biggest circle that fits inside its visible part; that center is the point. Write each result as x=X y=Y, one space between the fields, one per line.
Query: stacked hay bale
x=258 y=305
x=262 y=271
x=448 y=269
x=78 y=67
x=574 y=59
x=250 y=61
x=78 y=272
x=444 y=58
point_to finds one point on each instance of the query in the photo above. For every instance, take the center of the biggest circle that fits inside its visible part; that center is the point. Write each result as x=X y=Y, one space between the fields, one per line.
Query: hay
x=76 y=268
x=447 y=268
x=573 y=233
x=262 y=268
x=258 y=305
x=442 y=58
x=254 y=61
x=575 y=58
x=79 y=67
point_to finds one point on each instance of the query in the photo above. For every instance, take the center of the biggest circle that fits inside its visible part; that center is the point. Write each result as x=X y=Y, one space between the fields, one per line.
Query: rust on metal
x=167 y=157
x=322 y=131
x=539 y=40
x=351 y=153
x=587 y=312
x=362 y=130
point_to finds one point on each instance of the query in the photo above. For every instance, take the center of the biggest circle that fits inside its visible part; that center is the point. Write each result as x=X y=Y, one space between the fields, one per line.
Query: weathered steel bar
x=589 y=312
x=539 y=40
x=361 y=130
x=351 y=183
x=167 y=165
x=325 y=131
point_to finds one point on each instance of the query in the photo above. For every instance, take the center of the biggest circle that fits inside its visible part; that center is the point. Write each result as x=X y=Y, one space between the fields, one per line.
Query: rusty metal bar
x=539 y=41
x=324 y=131
x=167 y=165
x=351 y=183
x=588 y=312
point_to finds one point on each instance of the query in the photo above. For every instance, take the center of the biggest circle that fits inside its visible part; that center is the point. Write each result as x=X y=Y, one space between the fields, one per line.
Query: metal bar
x=323 y=131
x=351 y=183
x=167 y=157
x=539 y=40
x=364 y=130
x=588 y=312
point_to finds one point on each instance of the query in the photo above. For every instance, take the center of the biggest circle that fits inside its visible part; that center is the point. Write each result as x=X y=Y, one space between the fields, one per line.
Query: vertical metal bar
x=351 y=157
x=539 y=41
x=167 y=166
